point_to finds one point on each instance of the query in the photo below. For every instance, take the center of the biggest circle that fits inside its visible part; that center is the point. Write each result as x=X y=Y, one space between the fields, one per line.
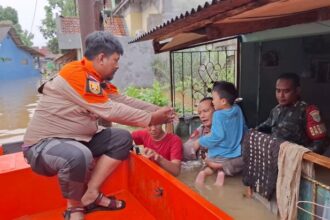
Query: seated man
x=205 y=110
x=63 y=136
x=163 y=148
x=292 y=119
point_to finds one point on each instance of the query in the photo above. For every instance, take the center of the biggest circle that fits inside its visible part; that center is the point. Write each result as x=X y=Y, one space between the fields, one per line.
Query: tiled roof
x=116 y=25
x=46 y=51
x=70 y=25
x=9 y=30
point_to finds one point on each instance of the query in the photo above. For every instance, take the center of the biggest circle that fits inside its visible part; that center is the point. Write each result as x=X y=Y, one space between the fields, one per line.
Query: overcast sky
x=25 y=10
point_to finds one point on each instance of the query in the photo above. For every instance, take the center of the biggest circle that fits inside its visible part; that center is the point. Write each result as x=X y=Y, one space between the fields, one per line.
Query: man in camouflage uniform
x=288 y=119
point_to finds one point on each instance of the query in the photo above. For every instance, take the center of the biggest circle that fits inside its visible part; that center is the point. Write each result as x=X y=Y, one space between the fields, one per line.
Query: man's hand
x=196 y=145
x=162 y=116
x=151 y=154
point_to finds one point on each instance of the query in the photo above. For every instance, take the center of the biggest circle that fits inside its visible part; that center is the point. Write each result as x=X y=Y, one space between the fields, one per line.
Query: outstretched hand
x=162 y=116
x=151 y=154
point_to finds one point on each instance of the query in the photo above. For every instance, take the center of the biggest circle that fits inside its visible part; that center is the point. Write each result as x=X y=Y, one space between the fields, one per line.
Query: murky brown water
x=229 y=197
x=18 y=99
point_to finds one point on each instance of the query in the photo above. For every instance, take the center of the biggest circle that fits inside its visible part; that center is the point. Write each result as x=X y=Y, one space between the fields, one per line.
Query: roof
x=67 y=57
x=68 y=33
x=226 y=18
x=5 y=30
x=68 y=30
x=69 y=25
x=116 y=25
x=46 y=51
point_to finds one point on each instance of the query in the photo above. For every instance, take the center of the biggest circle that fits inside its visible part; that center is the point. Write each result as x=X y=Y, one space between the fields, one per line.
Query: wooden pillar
x=89 y=18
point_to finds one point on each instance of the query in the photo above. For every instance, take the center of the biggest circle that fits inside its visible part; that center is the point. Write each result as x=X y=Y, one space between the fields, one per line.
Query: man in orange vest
x=63 y=136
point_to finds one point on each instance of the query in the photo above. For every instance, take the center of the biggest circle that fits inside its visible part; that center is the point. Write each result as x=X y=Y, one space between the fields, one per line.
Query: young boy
x=224 y=140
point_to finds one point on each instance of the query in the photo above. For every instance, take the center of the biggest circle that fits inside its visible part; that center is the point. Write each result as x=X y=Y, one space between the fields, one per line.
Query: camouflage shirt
x=288 y=123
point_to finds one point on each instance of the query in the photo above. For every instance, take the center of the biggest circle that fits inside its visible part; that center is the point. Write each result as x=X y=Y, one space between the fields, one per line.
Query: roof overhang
x=225 y=18
x=12 y=32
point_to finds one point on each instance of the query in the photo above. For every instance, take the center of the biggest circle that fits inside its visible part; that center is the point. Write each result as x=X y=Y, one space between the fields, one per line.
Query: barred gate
x=194 y=70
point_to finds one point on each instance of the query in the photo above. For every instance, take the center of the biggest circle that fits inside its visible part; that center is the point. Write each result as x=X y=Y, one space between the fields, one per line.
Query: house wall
x=292 y=57
x=150 y=9
x=15 y=62
x=135 y=66
x=142 y=16
x=134 y=23
x=172 y=8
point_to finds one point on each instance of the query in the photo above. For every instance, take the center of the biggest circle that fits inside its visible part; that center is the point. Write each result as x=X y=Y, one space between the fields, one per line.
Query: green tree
x=48 y=28
x=10 y=14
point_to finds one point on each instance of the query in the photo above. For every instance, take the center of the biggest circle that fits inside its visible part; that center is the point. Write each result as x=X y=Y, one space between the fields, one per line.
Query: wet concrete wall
x=135 y=66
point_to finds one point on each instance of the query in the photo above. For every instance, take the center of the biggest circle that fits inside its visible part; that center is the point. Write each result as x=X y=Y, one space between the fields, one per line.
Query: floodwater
x=229 y=197
x=18 y=99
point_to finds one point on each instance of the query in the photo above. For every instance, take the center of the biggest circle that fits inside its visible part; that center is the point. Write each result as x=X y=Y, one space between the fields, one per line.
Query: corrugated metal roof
x=182 y=16
x=226 y=18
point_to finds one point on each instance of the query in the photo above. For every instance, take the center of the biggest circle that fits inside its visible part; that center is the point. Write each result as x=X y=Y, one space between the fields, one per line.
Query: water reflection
x=18 y=99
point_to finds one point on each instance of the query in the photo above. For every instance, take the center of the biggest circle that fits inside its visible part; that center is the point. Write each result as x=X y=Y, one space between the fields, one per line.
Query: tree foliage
x=10 y=14
x=48 y=28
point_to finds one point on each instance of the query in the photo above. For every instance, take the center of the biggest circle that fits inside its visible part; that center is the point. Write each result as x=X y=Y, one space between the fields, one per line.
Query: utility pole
x=89 y=18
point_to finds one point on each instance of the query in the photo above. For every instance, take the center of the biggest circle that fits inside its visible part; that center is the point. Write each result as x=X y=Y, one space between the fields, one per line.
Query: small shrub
x=154 y=95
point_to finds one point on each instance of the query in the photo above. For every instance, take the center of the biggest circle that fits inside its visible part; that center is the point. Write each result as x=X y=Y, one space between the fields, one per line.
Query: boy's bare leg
x=202 y=175
x=104 y=167
x=220 y=178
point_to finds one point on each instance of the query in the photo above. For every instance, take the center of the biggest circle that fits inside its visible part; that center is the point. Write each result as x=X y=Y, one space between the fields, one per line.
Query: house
x=273 y=36
x=68 y=32
x=298 y=38
x=16 y=59
x=136 y=63
x=47 y=62
x=143 y=15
